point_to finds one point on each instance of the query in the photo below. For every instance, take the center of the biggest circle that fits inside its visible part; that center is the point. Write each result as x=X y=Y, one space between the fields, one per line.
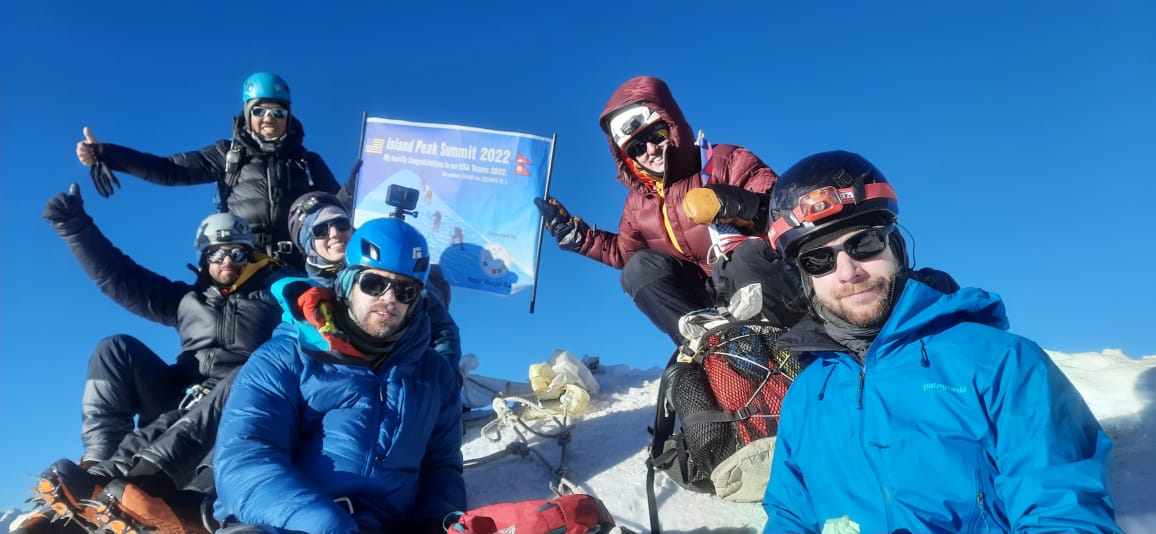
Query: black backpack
x=725 y=387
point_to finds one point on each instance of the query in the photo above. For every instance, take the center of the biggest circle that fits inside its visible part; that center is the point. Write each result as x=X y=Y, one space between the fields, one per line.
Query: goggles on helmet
x=824 y=203
x=629 y=122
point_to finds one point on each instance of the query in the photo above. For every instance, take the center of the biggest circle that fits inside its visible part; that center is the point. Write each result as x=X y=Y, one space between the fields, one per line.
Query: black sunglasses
x=321 y=230
x=376 y=285
x=655 y=134
x=277 y=113
x=219 y=254
x=861 y=246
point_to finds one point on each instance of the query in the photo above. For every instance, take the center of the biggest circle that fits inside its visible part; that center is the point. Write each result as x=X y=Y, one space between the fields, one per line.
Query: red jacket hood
x=682 y=155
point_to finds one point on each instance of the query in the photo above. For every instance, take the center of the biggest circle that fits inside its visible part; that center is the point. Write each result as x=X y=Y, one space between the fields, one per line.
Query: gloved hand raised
x=88 y=152
x=714 y=203
x=64 y=206
x=87 y=149
x=569 y=231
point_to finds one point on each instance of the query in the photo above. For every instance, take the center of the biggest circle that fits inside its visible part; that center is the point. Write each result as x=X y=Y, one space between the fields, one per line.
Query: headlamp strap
x=823 y=203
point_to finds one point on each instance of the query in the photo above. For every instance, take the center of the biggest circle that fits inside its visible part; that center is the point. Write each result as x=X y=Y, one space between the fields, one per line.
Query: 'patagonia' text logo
x=944 y=387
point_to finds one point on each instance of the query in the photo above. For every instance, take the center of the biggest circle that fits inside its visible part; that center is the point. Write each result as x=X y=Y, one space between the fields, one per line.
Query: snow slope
x=607 y=454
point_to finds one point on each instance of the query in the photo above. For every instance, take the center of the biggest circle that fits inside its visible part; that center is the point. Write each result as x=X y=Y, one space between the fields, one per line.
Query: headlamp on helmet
x=629 y=122
x=824 y=203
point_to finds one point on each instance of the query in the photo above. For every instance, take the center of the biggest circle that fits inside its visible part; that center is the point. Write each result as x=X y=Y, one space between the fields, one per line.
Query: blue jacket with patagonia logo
x=950 y=425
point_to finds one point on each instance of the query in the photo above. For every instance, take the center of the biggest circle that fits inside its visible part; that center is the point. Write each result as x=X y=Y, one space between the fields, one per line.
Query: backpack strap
x=233 y=165
x=718 y=416
x=661 y=431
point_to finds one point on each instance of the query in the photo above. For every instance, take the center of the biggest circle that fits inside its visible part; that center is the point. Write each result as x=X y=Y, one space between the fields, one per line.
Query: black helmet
x=304 y=206
x=824 y=192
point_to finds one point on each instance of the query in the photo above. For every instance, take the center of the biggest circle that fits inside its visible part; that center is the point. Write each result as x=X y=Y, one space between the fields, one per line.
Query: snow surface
x=607 y=454
x=608 y=448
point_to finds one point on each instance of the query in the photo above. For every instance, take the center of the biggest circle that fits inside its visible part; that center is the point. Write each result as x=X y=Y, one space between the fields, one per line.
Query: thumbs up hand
x=64 y=206
x=87 y=150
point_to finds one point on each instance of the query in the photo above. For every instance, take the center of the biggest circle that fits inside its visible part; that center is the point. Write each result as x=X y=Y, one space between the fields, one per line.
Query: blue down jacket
x=305 y=425
x=952 y=425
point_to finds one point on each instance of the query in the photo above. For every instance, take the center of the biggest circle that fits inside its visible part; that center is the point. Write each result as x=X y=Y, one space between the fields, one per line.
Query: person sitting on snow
x=321 y=227
x=352 y=423
x=921 y=412
x=224 y=315
x=258 y=173
x=664 y=254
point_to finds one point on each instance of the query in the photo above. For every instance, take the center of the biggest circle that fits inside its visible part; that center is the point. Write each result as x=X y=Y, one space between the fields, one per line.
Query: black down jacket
x=267 y=182
x=220 y=328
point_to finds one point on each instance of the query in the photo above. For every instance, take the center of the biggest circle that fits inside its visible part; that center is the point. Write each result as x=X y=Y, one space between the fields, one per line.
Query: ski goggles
x=860 y=247
x=821 y=204
x=218 y=255
x=656 y=134
x=277 y=113
x=375 y=285
x=321 y=230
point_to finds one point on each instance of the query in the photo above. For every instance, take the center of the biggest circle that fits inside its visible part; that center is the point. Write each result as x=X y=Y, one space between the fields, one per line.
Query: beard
x=870 y=305
x=379 y=320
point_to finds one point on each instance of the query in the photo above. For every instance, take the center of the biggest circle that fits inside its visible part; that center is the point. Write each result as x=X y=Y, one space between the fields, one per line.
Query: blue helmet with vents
x=265 y=85
x=391 y=245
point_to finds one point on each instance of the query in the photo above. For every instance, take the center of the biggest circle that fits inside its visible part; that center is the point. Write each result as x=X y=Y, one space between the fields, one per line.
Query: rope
x=505 y=415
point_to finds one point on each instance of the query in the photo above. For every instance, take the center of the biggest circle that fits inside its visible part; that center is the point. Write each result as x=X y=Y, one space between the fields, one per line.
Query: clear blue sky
x=1019 y=136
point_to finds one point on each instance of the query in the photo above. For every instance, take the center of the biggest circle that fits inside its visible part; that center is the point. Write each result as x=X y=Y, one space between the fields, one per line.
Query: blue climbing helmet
x=265 y=85
x=390 y=245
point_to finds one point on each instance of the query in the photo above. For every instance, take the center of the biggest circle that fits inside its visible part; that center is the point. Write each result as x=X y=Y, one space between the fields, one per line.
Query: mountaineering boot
x=127 y=508
x=45 y=520
x=63 y=490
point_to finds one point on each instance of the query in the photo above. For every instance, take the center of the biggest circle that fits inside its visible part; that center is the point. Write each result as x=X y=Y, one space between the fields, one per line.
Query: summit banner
x=475 y=196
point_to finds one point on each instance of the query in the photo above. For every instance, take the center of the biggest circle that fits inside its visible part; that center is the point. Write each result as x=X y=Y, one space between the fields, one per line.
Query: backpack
x=568 y=514
x=725 y=387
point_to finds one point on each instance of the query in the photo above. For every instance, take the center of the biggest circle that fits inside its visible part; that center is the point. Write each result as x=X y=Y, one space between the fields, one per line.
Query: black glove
x=64 y=206
x=569 y=231
x=356 y=169
x=103 y=179
x=727 y=203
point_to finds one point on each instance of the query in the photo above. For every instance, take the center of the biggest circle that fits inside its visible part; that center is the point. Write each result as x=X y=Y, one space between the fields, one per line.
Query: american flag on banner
x=724 y=237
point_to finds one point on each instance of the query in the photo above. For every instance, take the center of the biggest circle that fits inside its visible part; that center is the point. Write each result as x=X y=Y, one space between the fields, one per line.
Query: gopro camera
x=403 y=199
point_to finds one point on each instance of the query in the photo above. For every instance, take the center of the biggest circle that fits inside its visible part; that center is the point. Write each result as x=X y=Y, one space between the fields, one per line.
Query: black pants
x=127 y=379
x=178 y=442
x=665 y=288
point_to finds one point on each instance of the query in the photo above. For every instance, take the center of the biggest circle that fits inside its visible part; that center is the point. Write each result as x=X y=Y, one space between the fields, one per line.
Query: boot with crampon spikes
x=60 y=491
x=127 y=508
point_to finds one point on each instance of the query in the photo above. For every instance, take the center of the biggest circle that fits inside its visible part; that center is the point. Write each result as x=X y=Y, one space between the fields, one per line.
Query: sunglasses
x=321 y=230
x=277 y=113
x=376 y=285
x=218 y=255
x=656 y=134
x=861 y=246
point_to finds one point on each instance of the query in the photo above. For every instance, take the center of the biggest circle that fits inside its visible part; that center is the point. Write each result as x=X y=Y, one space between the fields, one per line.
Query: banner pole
x=357 y=179
x=542 y=225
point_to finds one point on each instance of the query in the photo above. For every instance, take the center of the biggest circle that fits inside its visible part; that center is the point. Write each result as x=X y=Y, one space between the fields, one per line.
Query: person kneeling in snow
x=921 y=412
x=353 y=423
